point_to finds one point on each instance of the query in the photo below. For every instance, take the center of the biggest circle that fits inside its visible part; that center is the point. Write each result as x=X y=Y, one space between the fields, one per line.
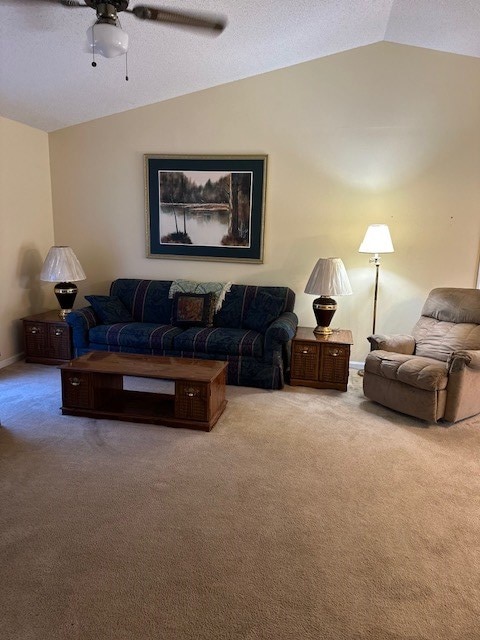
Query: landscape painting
x=205 y=207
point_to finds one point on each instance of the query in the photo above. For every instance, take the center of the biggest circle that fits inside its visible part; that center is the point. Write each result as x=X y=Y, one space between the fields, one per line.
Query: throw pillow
x=193 y=309
x=219 y=289
x=109 y=309
x=263 y=311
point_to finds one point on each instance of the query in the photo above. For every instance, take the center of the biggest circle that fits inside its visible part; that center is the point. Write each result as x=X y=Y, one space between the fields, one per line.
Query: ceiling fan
x=106 y=36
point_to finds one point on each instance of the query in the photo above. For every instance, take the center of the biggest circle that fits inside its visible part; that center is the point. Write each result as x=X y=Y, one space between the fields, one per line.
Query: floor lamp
x=377 y=240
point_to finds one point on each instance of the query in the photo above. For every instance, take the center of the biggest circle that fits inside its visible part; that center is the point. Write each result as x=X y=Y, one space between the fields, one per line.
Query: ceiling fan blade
x=71 y=4
x=65 y=3
x=179 y=18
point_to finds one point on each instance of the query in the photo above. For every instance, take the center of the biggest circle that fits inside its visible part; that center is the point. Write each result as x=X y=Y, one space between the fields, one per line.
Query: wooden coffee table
x=92 y=386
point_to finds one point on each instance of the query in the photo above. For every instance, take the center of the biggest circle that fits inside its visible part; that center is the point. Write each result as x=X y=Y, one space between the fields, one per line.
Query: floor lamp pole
x=376 y=260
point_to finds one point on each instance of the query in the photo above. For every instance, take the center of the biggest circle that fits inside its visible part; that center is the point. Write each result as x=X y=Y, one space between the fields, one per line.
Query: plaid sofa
x=256 y=358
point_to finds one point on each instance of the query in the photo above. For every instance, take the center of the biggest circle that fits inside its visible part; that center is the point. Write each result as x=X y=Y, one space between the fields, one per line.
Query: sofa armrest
x=458 y=360
x=81 y=321
x=281 y=331
x=395 y=343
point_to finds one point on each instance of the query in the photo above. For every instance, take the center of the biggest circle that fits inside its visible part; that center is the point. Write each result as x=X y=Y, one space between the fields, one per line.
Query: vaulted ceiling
x=47 y=81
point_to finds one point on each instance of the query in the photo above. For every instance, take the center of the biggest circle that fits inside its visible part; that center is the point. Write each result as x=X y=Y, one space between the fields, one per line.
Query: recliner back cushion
x=437 y=339
x=453 y=305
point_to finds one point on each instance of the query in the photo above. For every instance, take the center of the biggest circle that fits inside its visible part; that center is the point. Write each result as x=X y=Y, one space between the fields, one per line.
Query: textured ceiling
x=47 y=81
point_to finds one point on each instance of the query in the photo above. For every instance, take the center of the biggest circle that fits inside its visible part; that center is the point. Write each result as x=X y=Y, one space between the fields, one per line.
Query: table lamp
x=62 y=266
x=328 y=278
x=377 y=240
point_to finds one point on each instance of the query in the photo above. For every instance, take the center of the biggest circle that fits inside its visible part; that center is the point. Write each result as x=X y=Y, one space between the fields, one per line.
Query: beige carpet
x=303 y=515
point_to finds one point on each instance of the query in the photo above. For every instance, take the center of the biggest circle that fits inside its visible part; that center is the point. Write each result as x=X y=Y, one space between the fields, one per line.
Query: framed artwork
x=205 y=207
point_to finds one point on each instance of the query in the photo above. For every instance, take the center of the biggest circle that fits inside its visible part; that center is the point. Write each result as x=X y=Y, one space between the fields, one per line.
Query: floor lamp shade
x=377 y=240
x=328 y=278
x=62 y=266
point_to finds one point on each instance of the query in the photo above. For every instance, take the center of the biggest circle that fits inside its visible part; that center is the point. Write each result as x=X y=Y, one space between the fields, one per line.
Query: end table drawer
x=192 y=401
x=335 y=361
x=59 y=341
x=34 y=338
x=305 y=361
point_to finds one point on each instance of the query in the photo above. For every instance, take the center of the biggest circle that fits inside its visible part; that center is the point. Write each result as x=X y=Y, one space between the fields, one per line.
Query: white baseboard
x=356 y=365
x=12 y=360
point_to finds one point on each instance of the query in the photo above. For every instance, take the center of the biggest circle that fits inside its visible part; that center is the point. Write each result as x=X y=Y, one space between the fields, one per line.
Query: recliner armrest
x=458 y=360
x=398 y=343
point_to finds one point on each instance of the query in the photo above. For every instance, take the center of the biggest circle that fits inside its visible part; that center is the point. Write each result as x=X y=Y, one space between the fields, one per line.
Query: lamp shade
x=377 y=240
x=329 y=278
x=62 y=265
x=107 y=39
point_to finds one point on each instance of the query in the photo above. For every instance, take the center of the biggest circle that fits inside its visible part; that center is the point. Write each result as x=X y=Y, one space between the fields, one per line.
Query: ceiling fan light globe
x=107 y=40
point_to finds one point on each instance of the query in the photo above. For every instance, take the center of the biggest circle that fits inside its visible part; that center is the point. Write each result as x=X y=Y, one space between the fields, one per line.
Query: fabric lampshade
x=377 y=240
x=62 y=266
x=328 y=278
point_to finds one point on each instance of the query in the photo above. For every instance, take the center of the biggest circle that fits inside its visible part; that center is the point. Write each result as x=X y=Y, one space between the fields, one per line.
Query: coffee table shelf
x=92 y=386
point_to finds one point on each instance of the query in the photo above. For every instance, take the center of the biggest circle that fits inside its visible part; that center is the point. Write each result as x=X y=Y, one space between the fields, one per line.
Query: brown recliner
x=434 y=373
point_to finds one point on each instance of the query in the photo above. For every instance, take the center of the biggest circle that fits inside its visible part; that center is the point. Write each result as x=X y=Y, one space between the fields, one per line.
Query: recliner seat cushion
x=142 y=335
x=229 y=342
x=417 y=371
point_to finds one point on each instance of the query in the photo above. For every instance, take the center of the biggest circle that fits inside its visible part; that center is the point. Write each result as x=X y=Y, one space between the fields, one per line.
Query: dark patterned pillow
x=193 y=309
x=263 y=311
x=109 y=309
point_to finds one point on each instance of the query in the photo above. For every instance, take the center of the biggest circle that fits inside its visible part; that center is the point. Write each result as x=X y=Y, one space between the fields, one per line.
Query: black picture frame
x=205 y=207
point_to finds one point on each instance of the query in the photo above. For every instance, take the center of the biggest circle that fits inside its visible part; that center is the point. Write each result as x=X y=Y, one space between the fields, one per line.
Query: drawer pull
x=75 y=382
x=34 y=330
x=191 y=392
x=59 y=332
x=335 y=352
x=305 y=351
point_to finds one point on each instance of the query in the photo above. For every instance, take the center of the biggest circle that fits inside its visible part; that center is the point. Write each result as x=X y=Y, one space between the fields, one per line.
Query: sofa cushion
x=147 y=299
x=231 y=342
x=263 y=311
x=109 y=309
x=193 y=309
x=239 y=299
x=416 y=371
x=142 y=335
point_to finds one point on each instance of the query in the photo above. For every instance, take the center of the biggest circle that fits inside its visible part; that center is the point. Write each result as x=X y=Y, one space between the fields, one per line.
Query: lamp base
x=324 y=309
x=66 y=293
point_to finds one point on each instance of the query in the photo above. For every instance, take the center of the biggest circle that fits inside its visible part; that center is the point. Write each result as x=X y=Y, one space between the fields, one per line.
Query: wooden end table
x=48 y=338
x=321 y=362
x=92 y=386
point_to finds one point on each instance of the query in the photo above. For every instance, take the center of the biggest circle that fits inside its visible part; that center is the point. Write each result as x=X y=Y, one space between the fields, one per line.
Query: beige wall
x=26 y=230
x=385 y=133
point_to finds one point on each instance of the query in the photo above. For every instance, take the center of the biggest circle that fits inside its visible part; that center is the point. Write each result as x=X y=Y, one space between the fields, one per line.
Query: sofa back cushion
x=240 y=298
x=147 y=299
x=149 y=302
x=450 y=321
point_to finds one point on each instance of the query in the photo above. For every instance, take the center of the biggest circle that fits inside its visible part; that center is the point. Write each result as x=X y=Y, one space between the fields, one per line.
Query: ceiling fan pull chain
x=126 y=66
x=94 y=64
